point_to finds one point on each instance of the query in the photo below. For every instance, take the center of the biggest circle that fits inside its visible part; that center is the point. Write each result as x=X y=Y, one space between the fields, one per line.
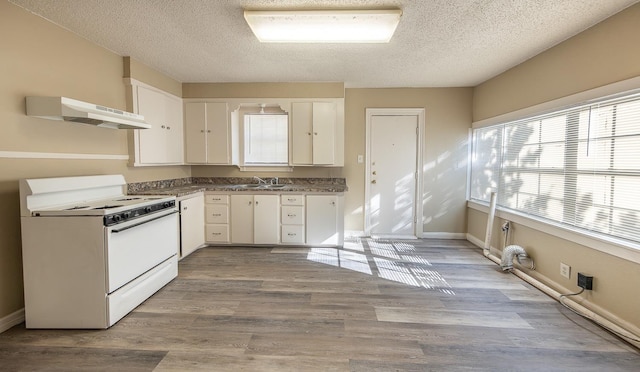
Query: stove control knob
x=147 y=209
x=126 y=215
x=166 y=204
x=117 y=217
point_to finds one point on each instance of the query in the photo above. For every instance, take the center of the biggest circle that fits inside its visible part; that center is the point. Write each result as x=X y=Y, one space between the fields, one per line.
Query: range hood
x=63 y=108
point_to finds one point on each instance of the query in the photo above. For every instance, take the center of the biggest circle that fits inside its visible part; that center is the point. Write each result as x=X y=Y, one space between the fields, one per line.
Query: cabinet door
x=266 y=219
x=163 y=143
x=195 y=132
x=191 y=224
x=302 y=133
x=174 y=138
x=242 y=219
x=217 y=133
x=324 y=133
x=152 y=141
x=322 y=220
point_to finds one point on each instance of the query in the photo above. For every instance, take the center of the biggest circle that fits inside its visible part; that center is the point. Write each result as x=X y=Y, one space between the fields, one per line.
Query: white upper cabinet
x=163 y=143
x=207 y=133
x=317 y=133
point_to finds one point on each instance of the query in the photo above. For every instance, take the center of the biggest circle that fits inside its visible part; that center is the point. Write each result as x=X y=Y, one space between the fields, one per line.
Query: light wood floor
x=420 y=305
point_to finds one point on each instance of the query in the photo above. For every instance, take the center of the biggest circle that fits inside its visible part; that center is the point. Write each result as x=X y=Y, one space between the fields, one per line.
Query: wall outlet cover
x=565 y=270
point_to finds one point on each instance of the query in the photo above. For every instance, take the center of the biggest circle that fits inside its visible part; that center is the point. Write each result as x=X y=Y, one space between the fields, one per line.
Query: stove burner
x=107 y=207
x=126 y=199
x=78 y=207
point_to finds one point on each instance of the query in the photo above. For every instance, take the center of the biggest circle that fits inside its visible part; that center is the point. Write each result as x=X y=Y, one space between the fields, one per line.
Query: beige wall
x=136 y=70
x=263 y=90
x=602 y=55
x=447 y=121
x=39 y=58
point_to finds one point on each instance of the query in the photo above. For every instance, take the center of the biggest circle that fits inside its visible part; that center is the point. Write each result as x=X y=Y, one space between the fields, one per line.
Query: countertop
x=186 y=186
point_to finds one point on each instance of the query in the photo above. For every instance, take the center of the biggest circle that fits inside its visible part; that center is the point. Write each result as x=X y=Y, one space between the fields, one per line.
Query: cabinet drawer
x=216 y=199
x=292 y=234
x=217 y=213
x=292 y=200
x=292 y=215
x=217 y=233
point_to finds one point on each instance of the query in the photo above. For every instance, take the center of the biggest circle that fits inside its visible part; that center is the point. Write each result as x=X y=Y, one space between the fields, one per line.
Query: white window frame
x=605 y=243
x=246 y=141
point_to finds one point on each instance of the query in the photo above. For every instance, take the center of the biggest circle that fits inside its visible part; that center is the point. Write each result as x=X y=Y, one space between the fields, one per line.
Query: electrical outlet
x=585 y=281
x=565 y=270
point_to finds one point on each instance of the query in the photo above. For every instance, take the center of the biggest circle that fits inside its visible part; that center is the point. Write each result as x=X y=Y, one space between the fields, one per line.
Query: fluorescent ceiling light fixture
x=323 y=26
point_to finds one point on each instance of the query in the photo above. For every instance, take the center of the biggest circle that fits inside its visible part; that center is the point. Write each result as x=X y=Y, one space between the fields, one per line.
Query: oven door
x=134 y=247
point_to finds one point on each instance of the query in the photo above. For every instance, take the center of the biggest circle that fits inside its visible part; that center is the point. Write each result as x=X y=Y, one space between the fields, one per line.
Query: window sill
x=616 y=247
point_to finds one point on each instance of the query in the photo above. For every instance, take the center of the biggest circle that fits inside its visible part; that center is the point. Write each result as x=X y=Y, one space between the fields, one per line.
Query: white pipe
x=492 y=213
x=572 y=304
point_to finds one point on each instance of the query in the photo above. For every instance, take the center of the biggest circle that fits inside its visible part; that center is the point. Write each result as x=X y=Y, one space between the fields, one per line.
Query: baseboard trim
x=425 y=235
x=443 y=235
x=11 y=320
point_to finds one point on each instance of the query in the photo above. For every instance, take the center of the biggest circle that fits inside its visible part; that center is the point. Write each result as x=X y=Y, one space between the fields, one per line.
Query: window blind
x=578 y=166
x=266 y=139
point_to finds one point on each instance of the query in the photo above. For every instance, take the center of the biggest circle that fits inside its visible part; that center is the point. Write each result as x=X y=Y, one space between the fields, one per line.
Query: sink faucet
x=260 y=180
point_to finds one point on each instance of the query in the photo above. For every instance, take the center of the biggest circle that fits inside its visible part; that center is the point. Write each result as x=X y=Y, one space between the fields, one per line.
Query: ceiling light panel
x=323 y=26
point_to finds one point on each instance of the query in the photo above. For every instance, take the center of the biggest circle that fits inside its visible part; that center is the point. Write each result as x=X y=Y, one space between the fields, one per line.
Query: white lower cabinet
x=276 y=219
x=216 y=218
x=324 y=220
x=255 y=219
x=191 y=224
x=292 y=219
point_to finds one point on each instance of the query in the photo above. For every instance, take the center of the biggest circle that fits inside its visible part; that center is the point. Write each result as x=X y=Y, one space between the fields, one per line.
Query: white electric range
x=91 y=253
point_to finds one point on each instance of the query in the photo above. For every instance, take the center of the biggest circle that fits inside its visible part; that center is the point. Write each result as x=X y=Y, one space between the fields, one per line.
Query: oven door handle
x=142 y=223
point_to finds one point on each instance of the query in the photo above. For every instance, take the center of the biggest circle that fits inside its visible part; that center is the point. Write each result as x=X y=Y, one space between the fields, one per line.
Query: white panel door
x=242 y=219
x=151 y=104
x=324 y=132
x=266 y=219
x=392 y=177
x=195 y=128
x=322 y=220
x=217 y=133
x=191 y=224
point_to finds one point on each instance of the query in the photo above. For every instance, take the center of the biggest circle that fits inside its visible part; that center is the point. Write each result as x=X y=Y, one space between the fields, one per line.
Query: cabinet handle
x=256 y=202
x=292 y=234
x=315 y=133
x=308 y=133
x=216 y=233
x=201 y=130
x=291 y=199
x=217 y=214
x=162 y=126
x=208 y=130
x=333 y=203
x=250 y=203
x=291 y=215
x=168 y=128
x=184 y=209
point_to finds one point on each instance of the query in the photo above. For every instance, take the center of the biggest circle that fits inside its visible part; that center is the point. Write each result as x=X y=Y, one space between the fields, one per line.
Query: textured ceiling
x=439 y=43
